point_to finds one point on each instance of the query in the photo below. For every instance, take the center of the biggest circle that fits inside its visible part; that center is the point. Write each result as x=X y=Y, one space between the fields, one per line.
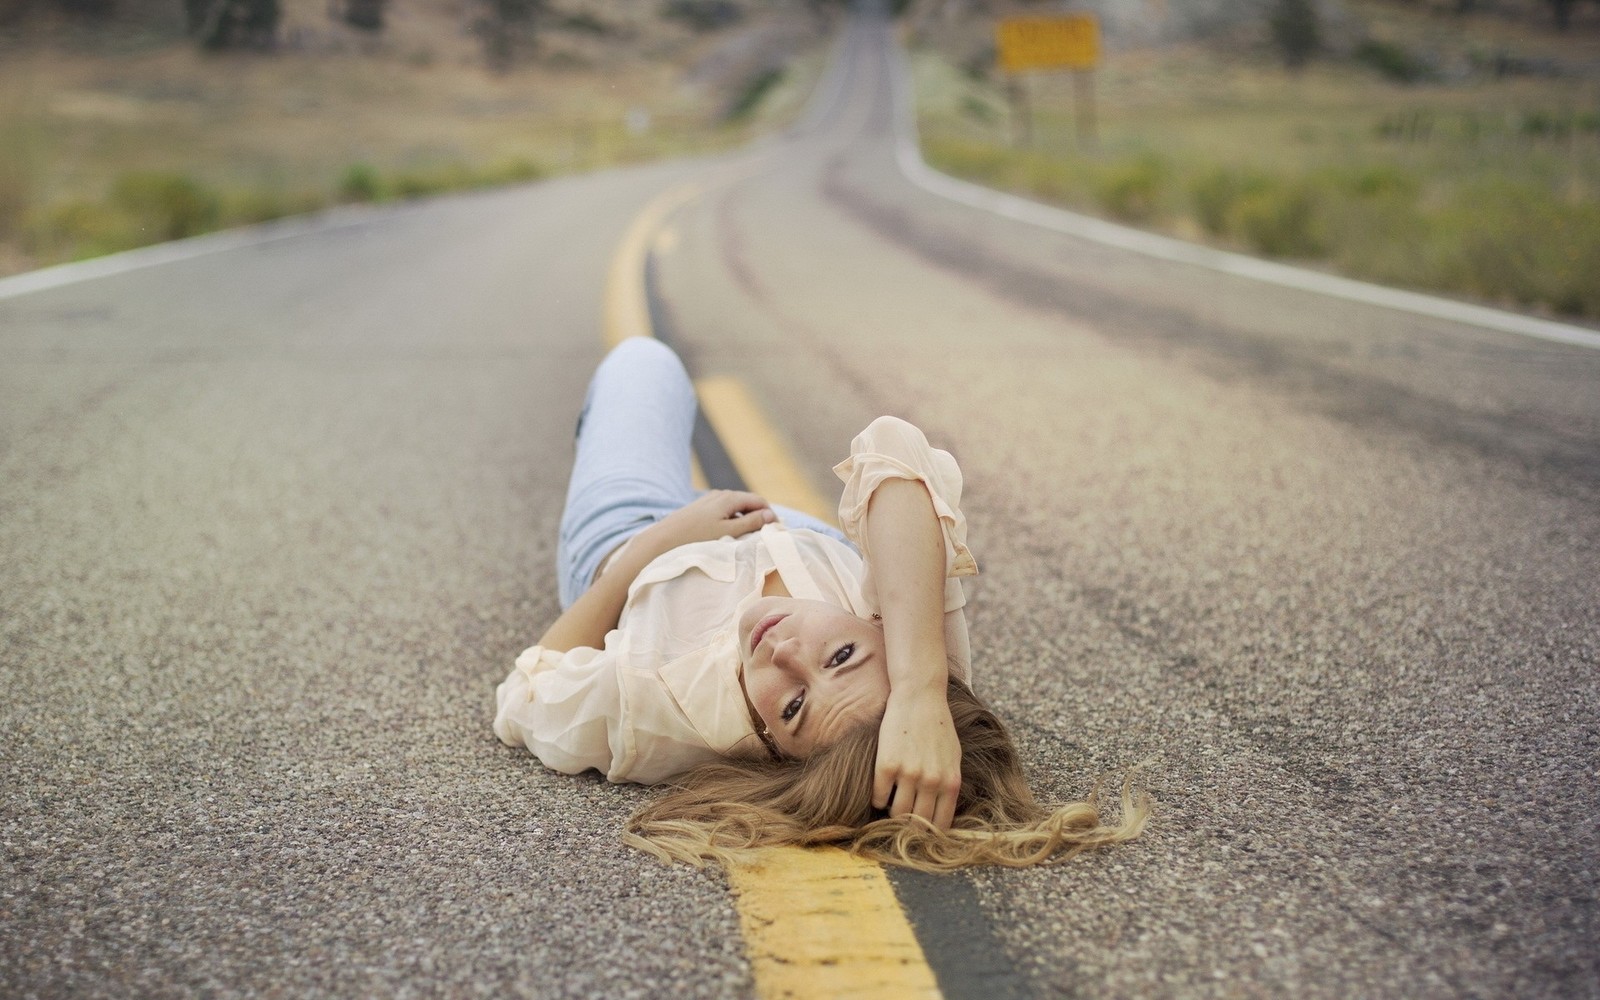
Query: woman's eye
x=843 y=655
x=793 y=708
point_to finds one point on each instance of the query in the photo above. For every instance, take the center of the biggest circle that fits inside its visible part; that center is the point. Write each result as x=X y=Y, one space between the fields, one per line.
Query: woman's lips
x=761 y=629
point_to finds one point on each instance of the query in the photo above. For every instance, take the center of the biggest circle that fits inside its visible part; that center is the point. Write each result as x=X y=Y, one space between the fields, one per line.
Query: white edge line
x=908 y=155
x=178 y=250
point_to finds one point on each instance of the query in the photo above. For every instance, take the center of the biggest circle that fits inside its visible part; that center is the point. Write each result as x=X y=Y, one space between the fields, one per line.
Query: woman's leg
x=633 y=457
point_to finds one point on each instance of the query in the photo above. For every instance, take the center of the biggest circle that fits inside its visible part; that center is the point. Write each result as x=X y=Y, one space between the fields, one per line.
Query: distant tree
x=87 y=8
x=227 y=24
x=364 y=14
x=703 y=15
x=17 y=11
x=1295 y=31
x=1562 y=11
x=504 y=26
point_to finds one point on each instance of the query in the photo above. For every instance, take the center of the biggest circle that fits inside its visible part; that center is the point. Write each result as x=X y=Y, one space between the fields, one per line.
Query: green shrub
x=1514 y=241
x=360 y=182
x=1413 y=126
x=703 y=15
x=1393 y=61
x=16 y=191
x=1540 y=124
x=754 y=92
x=1383 y=237
x=966 y=158
x=516 y=170
x=979 y=66
x=1380 y=181
x=264 y=205
x=79 y=228
x=223 y=24
x=1279 y=220
x=366 y=15
x=585 y=22
x=21 y=164
x=1295 y=30
x=432 y=180
x=1066 y=180
x=1132 y=190
x=1216 y=191
x=977 y=109
x=166 y=206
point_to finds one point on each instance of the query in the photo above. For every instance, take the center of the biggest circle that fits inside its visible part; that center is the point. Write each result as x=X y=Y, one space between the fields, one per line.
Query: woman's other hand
x=919 y=757
x=709 y=517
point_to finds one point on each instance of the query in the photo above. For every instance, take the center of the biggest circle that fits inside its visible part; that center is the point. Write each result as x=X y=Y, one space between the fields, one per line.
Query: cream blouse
x=663 y=695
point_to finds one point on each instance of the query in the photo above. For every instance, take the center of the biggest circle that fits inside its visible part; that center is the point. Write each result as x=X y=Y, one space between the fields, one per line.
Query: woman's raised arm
x=919 y=756
x=901 y=504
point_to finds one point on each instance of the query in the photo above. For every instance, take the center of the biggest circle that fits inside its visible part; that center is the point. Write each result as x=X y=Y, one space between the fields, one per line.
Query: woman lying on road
x=795 y=684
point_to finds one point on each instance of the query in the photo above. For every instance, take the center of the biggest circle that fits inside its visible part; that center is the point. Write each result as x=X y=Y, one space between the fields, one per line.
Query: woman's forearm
x=591 y=616
x=907 y=553
x=918 y=770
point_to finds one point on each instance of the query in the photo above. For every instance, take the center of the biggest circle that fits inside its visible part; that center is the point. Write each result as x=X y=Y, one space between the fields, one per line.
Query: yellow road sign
x=1067 y=41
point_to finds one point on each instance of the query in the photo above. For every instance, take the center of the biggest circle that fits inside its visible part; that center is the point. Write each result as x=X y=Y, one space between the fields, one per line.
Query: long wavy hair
x=725 y=810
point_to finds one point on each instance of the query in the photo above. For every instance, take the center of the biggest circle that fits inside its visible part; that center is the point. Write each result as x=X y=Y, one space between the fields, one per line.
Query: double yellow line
x=817 y=923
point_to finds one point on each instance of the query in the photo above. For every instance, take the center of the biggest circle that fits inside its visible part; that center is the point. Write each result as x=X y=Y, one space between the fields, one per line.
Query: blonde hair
x=725 y=810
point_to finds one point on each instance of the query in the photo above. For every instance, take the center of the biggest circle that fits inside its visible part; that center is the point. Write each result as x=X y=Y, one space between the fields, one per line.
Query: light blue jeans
x=633 y=460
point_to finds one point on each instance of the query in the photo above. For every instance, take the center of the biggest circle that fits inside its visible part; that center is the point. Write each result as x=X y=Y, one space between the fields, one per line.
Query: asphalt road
x=275 y=520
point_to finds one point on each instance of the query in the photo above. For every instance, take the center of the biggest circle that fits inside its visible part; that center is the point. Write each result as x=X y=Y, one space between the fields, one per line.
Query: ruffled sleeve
x=566 y=708
x=891 y=448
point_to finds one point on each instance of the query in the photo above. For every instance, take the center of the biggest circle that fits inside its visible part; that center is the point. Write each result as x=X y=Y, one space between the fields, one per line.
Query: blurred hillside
x=119 y=127
x=1417 y=145
x=581 y=31
x=1444 y=37
x=1123 y=23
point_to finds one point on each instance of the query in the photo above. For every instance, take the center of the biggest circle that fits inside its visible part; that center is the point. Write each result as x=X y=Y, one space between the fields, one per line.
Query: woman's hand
x=709 y=517
x=919 y=757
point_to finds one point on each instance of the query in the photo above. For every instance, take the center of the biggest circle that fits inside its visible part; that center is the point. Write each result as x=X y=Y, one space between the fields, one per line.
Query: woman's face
x=812 y=671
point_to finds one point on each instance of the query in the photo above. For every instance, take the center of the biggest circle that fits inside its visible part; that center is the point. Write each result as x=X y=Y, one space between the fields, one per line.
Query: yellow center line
x=817 y=922
x=758 y=451
x=627 y=305
x=822 y=923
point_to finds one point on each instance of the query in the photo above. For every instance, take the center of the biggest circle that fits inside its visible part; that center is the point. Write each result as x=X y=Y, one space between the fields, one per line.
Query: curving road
x=276 y=516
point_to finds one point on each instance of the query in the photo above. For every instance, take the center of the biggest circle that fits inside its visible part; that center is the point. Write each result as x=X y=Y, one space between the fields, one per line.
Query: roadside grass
x=1485 y=188
x=106 y=154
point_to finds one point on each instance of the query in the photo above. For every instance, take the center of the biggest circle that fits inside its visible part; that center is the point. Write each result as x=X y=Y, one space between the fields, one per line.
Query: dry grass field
x=114 y=138
x=1459 y=154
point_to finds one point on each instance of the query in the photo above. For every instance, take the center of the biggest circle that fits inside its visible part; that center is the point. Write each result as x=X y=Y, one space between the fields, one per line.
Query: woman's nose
x=787 y=652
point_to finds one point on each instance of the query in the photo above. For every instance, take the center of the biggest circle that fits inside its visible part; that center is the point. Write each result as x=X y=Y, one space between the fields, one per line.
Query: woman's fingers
x=932 y=802
x=883 y=790
x=737 y=502
x=944 y=813
x=742 y=512
x=743 y=524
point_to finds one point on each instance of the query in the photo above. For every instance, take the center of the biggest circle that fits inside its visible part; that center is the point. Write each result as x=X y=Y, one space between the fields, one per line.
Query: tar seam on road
x=716 y=467
x=956 y=936
x=627 y=305
x=908 y=156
